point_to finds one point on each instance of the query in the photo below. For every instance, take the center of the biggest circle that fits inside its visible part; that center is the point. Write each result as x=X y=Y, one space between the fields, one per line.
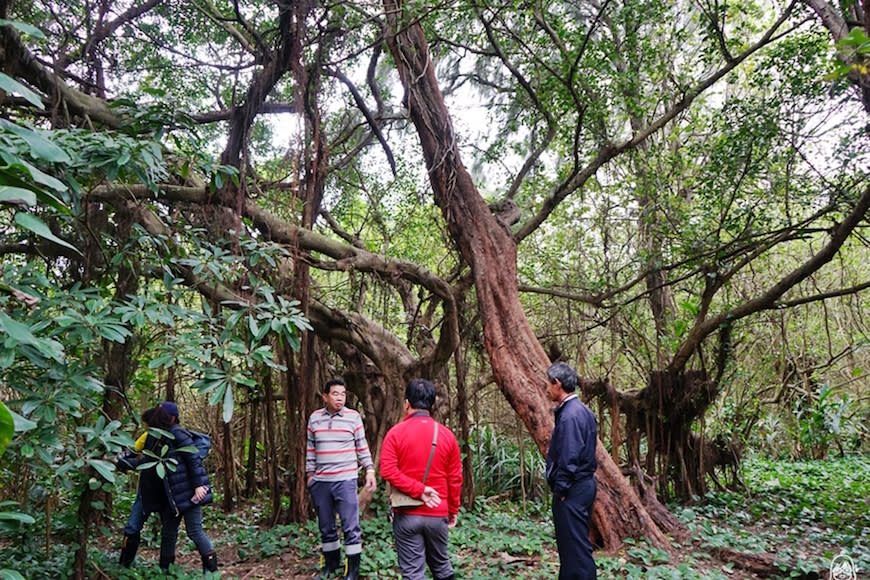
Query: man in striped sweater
x=336 y=448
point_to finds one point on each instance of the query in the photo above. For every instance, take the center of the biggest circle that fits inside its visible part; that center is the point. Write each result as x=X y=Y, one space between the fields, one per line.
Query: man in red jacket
x=420 y=458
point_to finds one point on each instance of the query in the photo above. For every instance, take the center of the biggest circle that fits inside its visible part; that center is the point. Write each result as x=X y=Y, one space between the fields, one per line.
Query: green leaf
x=104 y=468
x=38 y=227
x=16 y=517
x=21 y=424
x=40 y=176
x=40 y=147
x=17 y=195
x=42 y=196
x=10 y=85
x=17 y=331
x=7 y=427
x=23 y=27
x=229 y=404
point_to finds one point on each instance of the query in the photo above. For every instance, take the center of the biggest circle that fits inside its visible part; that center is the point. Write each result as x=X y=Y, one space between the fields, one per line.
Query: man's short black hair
x=562 y=372
x=331 y=383
x=420 y=393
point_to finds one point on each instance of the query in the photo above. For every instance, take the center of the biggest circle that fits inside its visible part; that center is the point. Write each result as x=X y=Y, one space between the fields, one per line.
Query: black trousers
x=571 y=520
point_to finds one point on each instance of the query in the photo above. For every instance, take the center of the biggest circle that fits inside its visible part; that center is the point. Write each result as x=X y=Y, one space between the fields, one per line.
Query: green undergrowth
x=804 y=514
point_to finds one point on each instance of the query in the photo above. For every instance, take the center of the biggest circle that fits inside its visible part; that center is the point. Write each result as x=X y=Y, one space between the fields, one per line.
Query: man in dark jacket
x=176 y=493
x=571 y=468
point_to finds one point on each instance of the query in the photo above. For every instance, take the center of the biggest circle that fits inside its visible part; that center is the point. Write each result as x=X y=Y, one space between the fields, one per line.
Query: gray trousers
x=421 y=540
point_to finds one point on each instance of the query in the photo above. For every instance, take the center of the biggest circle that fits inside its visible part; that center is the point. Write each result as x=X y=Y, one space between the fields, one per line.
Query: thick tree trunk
x=518 y=360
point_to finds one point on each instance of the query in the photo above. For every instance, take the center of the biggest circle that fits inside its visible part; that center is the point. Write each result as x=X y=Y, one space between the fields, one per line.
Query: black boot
x=166 y=561
x=128 y=549
x=330 y=562
x=209 y=562
x=353 y=567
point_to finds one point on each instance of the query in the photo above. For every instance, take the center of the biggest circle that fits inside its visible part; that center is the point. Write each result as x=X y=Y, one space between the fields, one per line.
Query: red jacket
x=405 y=453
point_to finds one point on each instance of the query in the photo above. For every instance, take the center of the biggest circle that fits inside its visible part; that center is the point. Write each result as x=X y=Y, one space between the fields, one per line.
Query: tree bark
x=518 y=360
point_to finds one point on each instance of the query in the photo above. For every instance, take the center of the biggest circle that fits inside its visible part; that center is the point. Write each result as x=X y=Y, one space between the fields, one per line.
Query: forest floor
x=807 y=517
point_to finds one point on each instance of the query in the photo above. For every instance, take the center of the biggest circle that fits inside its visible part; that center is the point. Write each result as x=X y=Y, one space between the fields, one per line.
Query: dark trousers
x=571 y=520
x=192 y=525
x=330 y=497
x=137 y=518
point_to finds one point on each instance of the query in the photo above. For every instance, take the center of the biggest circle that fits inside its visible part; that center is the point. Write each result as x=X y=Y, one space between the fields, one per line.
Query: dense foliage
x=225 y=205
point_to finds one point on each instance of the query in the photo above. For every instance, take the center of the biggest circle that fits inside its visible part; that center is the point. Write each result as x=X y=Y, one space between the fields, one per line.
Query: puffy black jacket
x=175 y=489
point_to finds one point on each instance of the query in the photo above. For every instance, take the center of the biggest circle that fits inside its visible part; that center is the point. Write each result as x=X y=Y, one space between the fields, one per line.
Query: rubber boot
x=353 y=567
x=128 y=549
x=330 y=562
x=166 y=561
x=209 y=562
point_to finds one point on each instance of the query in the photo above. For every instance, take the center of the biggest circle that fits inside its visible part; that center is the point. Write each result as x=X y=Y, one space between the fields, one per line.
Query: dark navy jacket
x=571 y=457
x=175 y=490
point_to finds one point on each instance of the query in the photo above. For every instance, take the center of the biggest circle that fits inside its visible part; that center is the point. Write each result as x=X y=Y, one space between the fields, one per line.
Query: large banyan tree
x=636 y=164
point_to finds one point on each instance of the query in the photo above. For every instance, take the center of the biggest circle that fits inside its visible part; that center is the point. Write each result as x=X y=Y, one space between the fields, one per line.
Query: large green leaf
x=23 y=27
x=7 y=427
x=8 y=177
x=40 y=147
x=229 y=404
x=22 y=424
x=17 y=331
x=10 y=85
x=38 y=227
x=104 y=468
x=17 y=195
x=42 y=177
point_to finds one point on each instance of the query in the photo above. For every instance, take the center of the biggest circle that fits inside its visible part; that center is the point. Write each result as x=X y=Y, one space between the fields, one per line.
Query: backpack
x=201 y=441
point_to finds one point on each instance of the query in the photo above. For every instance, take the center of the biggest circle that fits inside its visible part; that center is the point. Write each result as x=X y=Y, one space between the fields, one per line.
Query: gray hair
x=562 y=372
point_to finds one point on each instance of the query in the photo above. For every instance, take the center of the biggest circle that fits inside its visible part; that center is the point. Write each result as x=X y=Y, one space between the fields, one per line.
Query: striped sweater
x=335 y=444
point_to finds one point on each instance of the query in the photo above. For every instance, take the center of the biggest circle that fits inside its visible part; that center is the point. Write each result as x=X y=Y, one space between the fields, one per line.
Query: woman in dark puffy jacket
x=176 y=486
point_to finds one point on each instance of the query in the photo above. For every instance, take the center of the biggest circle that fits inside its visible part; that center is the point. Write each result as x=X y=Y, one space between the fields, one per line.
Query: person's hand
x=371 y=482
x=430 y=497
x=451 y=520
x=199 y=494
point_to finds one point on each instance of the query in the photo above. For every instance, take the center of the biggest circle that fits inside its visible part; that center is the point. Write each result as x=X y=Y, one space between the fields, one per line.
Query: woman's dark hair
x=421 y=394
x=147 y=415
x=159 y=418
